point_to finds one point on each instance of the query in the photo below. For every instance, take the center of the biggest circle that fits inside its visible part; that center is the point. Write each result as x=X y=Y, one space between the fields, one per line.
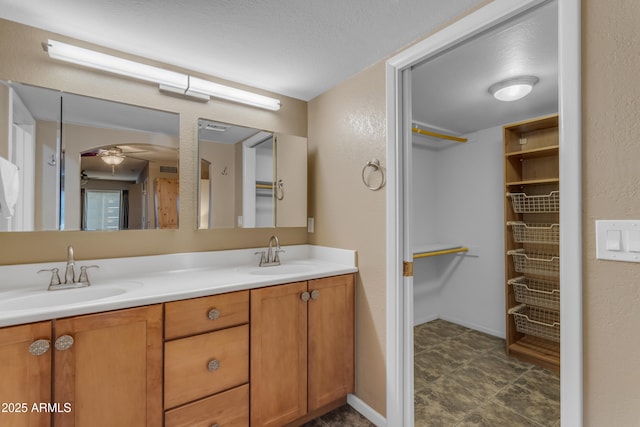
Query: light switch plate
x=618 y=240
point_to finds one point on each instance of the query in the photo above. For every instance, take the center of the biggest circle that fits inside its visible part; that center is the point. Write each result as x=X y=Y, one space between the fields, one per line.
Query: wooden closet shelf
x=534 y=152
x=543 y=352
x=534 y=182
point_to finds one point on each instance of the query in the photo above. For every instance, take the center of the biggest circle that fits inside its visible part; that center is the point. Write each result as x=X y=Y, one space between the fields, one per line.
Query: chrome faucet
x=272 y=257
x=69 y=271
x=69 y=274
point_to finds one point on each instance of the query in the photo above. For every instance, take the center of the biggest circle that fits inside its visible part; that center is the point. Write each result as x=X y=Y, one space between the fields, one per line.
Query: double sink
x=30 y=298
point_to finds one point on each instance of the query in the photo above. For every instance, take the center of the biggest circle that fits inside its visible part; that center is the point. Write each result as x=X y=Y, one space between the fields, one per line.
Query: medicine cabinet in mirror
x=250 y=178
x=87 y=163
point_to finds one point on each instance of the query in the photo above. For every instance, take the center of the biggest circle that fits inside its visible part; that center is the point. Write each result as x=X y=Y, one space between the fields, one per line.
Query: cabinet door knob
x=39 y=347
x=213 y=314
x=213 y=365
x=215 y=425
x=64 y=342
x=305 y=296
x=315 y=294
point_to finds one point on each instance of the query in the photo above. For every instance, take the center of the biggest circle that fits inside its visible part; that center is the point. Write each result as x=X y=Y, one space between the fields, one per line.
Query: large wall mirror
x=87 y=163
x=250 y=178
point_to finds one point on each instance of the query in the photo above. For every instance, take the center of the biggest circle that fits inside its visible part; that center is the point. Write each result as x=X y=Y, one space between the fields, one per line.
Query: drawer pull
x=215 y=425
x=213 y=314
x=213 y=365
x=305 y=296
x=39 y=347
x=64 y=342
x=315 y=294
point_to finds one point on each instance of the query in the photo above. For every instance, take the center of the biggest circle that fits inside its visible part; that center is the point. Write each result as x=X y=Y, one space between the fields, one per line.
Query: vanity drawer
x=194 y=316
x=206 y=364
x=227 y=409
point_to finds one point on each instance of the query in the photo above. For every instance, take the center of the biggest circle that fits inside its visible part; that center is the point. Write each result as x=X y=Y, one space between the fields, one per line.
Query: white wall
x=458 y=198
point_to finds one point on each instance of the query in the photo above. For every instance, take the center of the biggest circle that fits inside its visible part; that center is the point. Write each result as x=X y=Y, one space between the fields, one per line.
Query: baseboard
x=473 y=326
x=425 y=319
x=366 y=411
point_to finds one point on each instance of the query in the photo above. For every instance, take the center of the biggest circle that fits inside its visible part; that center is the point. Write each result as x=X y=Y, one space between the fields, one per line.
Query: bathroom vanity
x=197 y=339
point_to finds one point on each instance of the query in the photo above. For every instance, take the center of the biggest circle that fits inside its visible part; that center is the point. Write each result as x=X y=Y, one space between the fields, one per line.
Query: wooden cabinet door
x=166 y=195
x=331 y=340
x=111 y=375
x=25 y=378
x=278 y=354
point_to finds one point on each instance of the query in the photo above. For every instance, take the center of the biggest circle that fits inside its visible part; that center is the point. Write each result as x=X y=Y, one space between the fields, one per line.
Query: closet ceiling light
x=513 y=89
x=168 y=80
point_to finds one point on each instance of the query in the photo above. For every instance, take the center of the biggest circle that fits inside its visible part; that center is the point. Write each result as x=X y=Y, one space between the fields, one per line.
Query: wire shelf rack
x=523 y=203
x=541 y=293
x=538 y=263
x=537 y=321
x=535 y=233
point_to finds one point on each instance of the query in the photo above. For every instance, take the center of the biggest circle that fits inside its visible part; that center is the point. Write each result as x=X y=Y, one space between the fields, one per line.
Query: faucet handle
x=276 y=256
x=55 y=276
x=84 y=277
x=263 y=257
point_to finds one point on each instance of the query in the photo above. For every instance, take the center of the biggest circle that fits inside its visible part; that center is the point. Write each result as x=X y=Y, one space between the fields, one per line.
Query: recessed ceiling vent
x=168 y=169
x=217 y=127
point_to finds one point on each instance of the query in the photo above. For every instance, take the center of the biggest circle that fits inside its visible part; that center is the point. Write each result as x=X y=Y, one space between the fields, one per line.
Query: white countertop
x=161 y=278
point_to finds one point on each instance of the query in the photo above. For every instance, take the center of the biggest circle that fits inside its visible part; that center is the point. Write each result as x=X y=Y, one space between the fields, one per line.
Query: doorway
x=400 y=315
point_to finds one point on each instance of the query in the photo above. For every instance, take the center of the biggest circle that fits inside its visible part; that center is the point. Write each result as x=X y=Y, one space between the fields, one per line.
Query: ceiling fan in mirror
x=113 y=156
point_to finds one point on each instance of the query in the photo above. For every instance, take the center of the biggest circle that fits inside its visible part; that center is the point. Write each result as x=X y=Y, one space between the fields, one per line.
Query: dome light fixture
x=513 y=89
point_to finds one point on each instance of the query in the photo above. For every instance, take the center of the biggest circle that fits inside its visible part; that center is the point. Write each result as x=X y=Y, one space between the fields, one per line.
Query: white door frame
x=399 y=342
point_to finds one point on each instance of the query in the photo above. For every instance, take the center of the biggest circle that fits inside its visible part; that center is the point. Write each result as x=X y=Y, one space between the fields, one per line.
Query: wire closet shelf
x=537 y=321
x=535 y=233
x=538 y=263
x=538 y=292
x=523 y=203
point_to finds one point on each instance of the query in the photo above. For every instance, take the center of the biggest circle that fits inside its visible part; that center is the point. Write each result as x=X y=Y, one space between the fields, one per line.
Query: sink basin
x=276 y=270
x=23 y=300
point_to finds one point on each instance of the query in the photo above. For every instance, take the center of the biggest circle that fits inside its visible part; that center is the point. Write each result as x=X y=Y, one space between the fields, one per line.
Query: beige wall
x=4 y=123
x=347 y=129
x=611 y=190
x=22 y=59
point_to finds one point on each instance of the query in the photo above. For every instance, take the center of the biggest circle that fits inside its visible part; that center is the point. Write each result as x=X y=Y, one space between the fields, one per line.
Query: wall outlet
x=310 y=225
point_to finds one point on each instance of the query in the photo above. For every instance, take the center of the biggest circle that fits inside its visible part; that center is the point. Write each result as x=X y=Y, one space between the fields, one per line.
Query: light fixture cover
x=513 y=89
x=168 y=80
x=113 y=64
x=232 y=94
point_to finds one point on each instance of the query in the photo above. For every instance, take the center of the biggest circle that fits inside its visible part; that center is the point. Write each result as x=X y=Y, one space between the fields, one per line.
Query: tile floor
x=341 y=417
x=464 y=379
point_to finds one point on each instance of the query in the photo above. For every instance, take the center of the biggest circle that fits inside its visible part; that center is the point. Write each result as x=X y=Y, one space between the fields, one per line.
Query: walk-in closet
x=485 y=228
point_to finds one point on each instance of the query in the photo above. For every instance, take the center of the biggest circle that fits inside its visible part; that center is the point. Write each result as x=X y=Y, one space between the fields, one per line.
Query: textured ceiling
x=451 y=90
x=298 y=48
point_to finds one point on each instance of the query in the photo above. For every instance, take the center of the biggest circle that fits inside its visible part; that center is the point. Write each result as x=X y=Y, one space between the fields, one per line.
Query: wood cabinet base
x=228 y=409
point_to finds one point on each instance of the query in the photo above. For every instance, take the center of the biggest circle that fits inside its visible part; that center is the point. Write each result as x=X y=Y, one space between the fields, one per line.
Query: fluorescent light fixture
x=113 y=64
x=513 y=89
x=168 y=80
x=200 y=86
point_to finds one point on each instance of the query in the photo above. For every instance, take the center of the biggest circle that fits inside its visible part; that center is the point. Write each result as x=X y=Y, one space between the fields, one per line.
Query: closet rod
x=438 y=135
x=443 y=252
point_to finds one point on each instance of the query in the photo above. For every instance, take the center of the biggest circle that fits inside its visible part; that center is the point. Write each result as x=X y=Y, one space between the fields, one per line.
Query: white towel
x=9 y=187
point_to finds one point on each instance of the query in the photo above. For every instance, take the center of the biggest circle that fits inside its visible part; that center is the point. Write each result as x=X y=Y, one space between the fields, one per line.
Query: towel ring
x=375 y=165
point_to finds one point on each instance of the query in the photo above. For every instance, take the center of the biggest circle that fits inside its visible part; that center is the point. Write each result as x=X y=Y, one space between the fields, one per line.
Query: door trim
x=399 y=346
